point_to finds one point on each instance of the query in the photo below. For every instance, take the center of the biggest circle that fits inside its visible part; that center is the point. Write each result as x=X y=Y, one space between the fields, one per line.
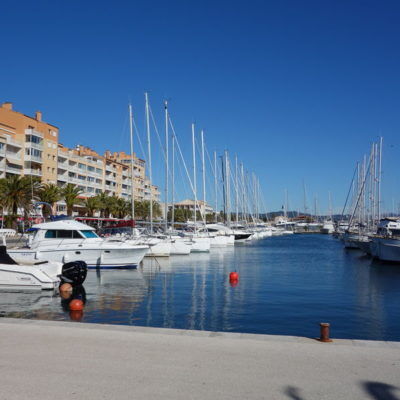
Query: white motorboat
x=68 y=240
x=328 y=227
x=221 y=235
x=386 y=249
x=39 y=276
x=385 y=245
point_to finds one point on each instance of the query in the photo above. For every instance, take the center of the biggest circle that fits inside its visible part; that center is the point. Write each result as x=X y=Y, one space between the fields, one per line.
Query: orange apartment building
x=29 y=146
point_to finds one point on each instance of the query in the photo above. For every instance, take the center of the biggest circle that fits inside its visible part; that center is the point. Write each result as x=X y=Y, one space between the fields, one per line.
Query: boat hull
x=20 y=277
x=104 y=258
x=180 y=247
x=386 y=249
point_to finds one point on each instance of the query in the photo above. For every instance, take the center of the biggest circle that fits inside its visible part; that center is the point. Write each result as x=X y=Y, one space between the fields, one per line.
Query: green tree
x=102 y=200
x=16 y=193
x=91 y=204
x=142 y=209
x=70 y=194
x=122 y=208
x=49 y=193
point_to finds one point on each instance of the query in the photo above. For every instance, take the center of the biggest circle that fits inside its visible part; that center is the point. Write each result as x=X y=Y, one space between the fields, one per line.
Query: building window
x=33 y=139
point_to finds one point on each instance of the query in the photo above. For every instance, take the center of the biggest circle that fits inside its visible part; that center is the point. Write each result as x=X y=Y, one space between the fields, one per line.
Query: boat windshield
x=89 y=234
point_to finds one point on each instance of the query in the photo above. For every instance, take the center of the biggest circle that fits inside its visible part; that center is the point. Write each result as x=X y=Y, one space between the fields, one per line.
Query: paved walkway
x=50 y=360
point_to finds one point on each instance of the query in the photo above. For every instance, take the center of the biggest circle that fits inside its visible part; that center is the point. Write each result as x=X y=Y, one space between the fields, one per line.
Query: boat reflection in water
x=287 y=285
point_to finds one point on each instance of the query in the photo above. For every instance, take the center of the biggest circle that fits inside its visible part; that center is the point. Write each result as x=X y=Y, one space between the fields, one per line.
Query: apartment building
x=201 y=206
x=29 y=146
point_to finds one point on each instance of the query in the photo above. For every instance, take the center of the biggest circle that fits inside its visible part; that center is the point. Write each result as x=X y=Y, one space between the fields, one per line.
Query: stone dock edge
x=197 y=333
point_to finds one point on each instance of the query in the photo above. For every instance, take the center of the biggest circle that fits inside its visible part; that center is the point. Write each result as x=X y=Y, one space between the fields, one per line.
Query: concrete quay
x=49 y=360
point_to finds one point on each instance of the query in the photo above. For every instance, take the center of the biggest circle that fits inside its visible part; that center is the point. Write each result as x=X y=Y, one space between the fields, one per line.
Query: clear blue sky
x=298 y=89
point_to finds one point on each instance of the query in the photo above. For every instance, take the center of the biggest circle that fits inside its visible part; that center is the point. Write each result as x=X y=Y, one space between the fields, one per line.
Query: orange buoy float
x=76 y=315
x=76 y=305
x=66 y=287
x=233 y=276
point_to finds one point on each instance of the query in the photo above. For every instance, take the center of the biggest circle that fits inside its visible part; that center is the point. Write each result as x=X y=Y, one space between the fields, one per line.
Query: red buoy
x=76 y=305
x=234 y=283
x=233 y=276
x=76 y=315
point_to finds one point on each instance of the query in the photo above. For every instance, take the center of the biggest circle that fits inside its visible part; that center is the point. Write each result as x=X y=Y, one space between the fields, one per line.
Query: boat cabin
x=389 y=227
x=63 y=230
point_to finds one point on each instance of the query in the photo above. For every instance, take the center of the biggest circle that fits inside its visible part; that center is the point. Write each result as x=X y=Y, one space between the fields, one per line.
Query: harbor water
x=287 y=286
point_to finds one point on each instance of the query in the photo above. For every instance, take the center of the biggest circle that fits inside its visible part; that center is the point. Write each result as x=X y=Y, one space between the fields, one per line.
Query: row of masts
x=248 y=197
x=364 y=196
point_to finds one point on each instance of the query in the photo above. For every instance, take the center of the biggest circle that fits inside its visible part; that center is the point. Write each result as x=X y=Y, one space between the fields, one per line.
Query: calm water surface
x=287 y=286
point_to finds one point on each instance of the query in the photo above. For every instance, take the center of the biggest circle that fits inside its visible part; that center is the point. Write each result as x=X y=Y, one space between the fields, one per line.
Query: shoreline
x=198 y=333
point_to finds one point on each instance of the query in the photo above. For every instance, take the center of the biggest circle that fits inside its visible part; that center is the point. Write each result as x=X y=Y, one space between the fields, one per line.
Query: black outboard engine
x=74 y=273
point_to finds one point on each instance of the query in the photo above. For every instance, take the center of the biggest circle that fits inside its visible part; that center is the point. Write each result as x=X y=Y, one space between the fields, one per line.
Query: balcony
x=12 y=142
x=31 y=145
x=63 y=166
x=34 y=172
x=63 y=178
x=2 y=151
x=109 y=168
x=32 y=158
x=33 y=132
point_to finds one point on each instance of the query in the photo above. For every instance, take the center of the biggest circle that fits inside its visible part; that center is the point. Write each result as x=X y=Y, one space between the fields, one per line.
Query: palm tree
x=142 y=209
x=102 y=203
x=122 y=208
x=110 y=206
x=92 y=204
x=16 y=193
x=49 y=193
x=70 y=194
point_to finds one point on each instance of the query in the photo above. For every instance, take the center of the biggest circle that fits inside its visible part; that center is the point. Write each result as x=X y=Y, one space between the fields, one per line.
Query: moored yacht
x=328 y=227
x=69 y=240
x=385 y=245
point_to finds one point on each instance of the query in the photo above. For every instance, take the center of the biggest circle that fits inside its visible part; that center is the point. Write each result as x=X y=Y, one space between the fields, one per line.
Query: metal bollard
x=324 y=332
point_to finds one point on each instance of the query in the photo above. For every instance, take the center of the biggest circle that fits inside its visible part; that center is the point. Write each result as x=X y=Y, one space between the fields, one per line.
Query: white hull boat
x=327 y=228
x=218 y=241
x=158 y=247
x=67 y=240
x=14 y=276
x=200 y=244
x=386 y=249
x=180 y=246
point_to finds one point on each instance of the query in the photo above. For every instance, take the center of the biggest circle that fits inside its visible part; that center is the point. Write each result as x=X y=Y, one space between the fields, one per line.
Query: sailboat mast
x=132 y=167
x=244 y=211
x=380 y=178
x=228 y=194
x=204 y=176
x=166 y=165
x=305 y=198
x=149 y=156
x=215 y=186
x=173 y=182
x=237 y=190
x=194 y=179
x=285 y=209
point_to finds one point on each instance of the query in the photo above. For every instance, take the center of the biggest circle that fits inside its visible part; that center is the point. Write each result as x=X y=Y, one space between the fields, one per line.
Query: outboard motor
x=74 y=273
